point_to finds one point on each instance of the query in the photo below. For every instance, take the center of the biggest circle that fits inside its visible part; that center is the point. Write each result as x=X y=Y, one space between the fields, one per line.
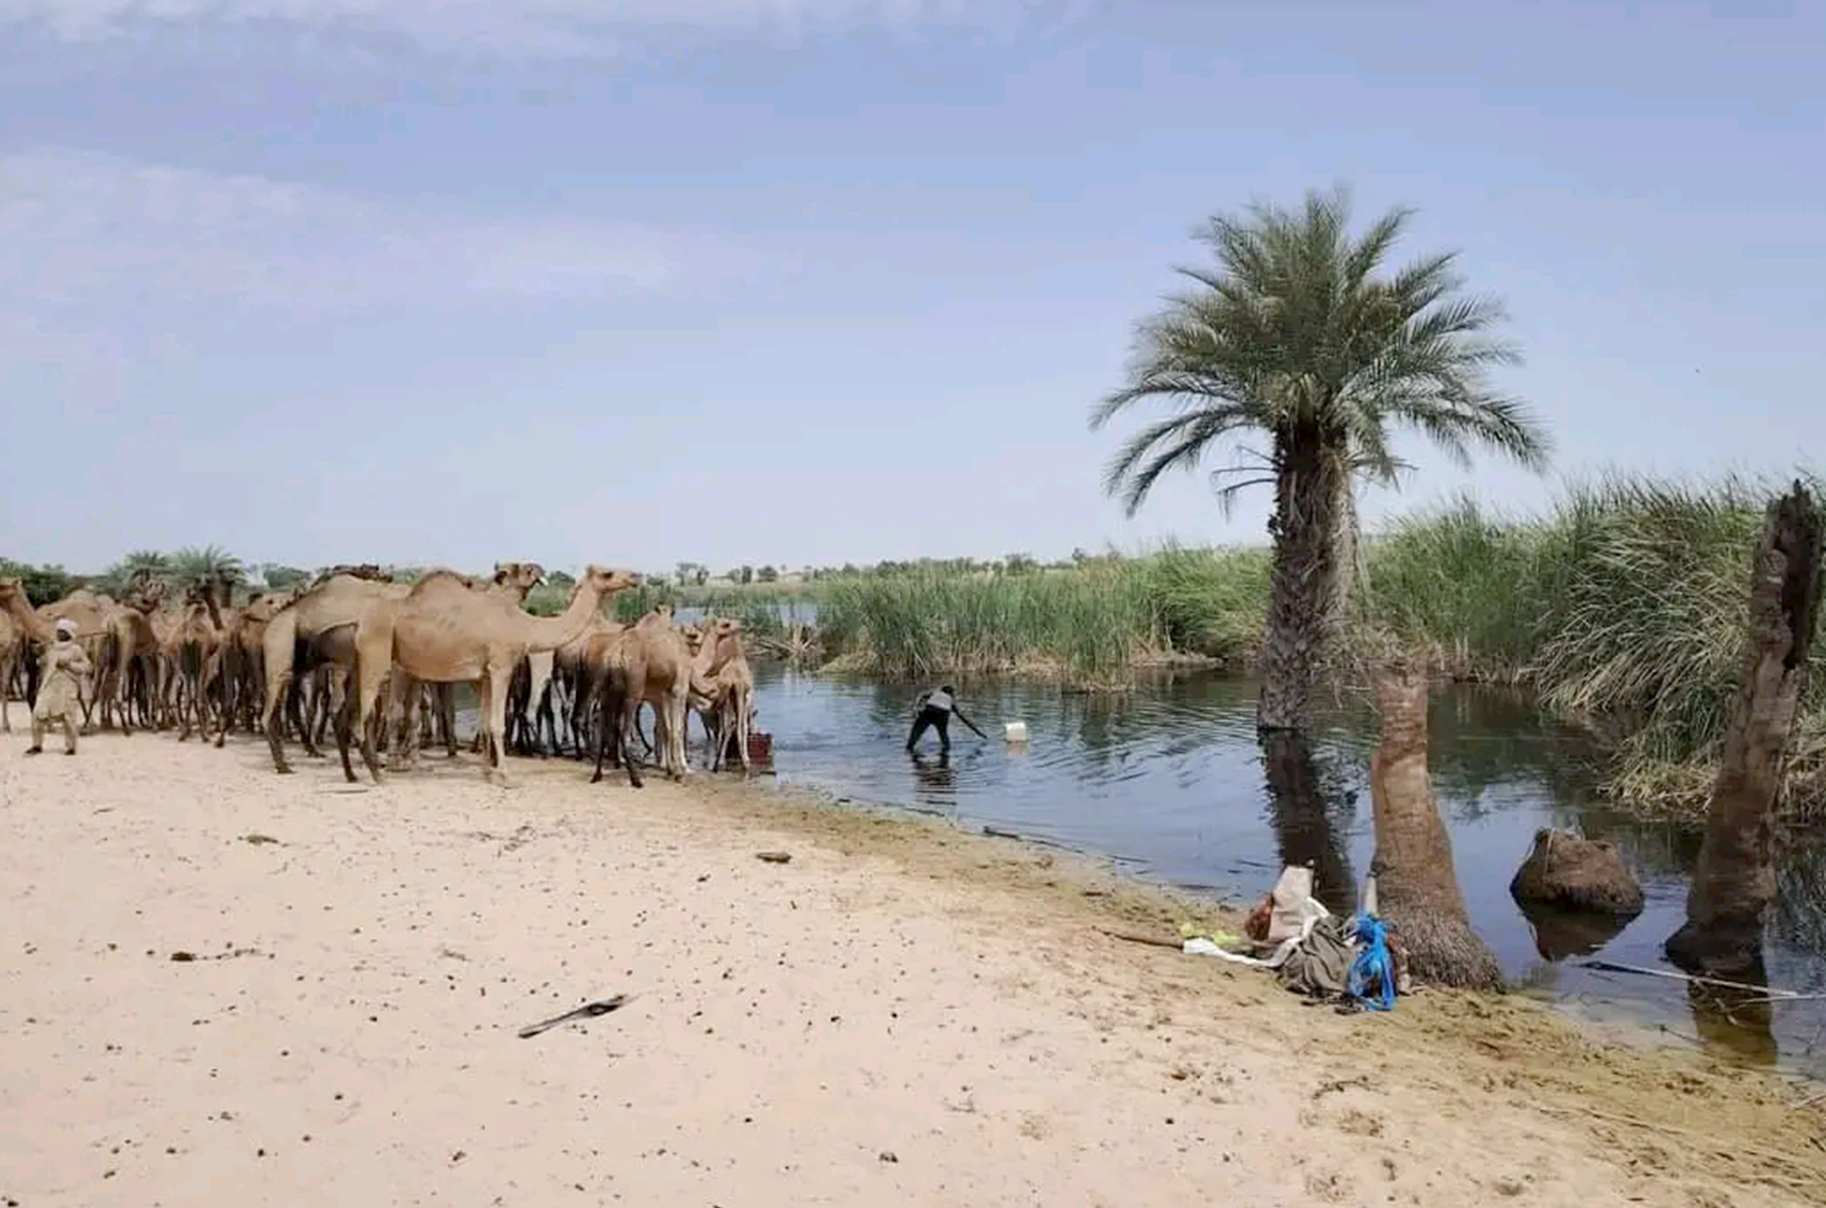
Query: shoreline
x=901 y=987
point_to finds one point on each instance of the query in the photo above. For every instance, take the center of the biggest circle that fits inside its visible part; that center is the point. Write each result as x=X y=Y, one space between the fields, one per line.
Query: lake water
x=1169 y=780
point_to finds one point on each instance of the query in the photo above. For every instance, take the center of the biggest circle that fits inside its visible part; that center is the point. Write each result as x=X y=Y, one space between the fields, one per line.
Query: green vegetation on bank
x=1093 y=622
x=1623 y=608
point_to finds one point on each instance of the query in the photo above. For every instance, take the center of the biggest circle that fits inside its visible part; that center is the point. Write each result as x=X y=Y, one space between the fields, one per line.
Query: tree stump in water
x=1416 y=886
x=1575 y=873
x=1735 y=878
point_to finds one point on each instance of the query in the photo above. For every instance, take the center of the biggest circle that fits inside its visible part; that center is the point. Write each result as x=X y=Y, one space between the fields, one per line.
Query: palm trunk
x=1302 y=822
x=1416 y=886
x=1735 y=878
x=1304 y=592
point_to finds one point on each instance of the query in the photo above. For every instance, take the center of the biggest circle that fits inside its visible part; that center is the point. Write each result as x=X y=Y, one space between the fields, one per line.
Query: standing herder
x=61 y=670
x=934 y=708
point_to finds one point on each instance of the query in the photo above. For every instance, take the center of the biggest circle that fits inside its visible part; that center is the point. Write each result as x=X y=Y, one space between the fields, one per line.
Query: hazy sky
x=813 y=280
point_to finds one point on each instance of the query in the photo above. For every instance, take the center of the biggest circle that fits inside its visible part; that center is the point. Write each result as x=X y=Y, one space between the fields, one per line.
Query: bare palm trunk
x=1735 y=878
x=1303 y=596
x=1416 y=886
x=1302 y=823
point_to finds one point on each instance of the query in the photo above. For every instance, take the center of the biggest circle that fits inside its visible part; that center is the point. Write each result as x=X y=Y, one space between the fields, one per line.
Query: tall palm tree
x=210 y=566
x=1294 y=335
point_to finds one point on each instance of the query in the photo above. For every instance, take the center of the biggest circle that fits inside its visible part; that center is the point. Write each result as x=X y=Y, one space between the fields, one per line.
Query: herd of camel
x=377 y=662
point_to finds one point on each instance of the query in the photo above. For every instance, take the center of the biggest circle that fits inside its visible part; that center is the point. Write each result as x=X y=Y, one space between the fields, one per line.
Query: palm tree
x=1295 y=336
x=212 y=565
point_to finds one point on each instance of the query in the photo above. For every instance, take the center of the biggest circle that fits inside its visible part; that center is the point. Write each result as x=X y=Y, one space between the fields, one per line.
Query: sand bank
x=900 y=1015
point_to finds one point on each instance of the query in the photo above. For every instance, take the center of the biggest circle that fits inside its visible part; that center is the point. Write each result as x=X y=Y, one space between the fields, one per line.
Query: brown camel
x=445 y=632
x=316 y=628
x=244 y=658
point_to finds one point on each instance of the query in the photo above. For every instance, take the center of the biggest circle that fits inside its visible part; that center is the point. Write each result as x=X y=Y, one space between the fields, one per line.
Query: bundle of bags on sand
x=1312 y=952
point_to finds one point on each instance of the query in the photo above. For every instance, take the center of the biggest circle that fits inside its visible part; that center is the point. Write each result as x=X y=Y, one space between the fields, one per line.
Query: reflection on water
x=1171 y=780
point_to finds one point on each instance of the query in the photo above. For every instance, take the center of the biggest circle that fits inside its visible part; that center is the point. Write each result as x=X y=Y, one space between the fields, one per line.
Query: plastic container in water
x=1014 y=731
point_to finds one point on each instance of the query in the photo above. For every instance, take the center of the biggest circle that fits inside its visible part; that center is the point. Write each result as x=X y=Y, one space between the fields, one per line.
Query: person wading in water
x=934 y=708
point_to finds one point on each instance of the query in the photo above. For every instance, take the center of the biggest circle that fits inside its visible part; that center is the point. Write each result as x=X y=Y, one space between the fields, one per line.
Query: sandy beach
x=902 y=1014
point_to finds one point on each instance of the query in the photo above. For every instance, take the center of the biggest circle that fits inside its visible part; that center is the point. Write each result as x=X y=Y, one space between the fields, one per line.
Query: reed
x=1091 y=624
x=1625 y=608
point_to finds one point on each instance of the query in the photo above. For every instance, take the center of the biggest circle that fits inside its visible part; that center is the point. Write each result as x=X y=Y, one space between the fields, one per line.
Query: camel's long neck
x=710 y=661
x=549 y=633
x=34 y=625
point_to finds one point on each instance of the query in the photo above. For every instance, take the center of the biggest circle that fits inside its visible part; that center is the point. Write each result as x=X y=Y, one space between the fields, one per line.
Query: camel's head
x=693 y=635
x=265 y=606
x=12 y=589
x=522 y=575
x=724 y=635
x=606 y=581
x=146 y=594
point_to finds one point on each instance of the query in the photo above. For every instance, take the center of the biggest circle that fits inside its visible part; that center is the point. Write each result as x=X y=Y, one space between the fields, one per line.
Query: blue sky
x=821 y=280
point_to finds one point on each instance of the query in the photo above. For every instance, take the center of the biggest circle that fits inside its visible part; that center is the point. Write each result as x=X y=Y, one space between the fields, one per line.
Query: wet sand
x=901 y=1014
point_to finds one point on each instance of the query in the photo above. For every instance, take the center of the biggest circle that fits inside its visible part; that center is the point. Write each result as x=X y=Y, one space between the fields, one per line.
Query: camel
x=731 y=703
x=511 y=581
x=12 y=643
x=244 y=658
x=131 y=645
x=194 y=652
x=650 y=663
x=21 y=628
x=34 y=631
x=444 y=632
x=316 y=628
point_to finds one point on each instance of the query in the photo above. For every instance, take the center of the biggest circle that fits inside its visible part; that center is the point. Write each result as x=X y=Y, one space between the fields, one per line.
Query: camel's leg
x=407 y=700
x=298 y=705
x=342 y=702
x=676 y=704
x=743 y=727
x=342 y=724
x=123 y=686
x=185 y=689
x=228 y=703
x=494 y=719
x=371 y=672
x=602 y=731
x=277 y=691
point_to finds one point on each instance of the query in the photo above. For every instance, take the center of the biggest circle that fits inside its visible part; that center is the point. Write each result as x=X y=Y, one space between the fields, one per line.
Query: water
x=1169 y=780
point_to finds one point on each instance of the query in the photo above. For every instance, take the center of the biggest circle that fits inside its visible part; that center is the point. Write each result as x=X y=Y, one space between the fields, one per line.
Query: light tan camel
x=731 y=703
x=445 y=632
x=651 y=663
x=26 y=624
x=194 y=653
x=317 y=628
x=511 y=581
x=11 y=643
x=131 y=645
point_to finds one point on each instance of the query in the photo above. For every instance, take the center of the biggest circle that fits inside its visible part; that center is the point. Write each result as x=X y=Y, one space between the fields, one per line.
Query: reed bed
x=1623 y=608
x=1091 y=624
